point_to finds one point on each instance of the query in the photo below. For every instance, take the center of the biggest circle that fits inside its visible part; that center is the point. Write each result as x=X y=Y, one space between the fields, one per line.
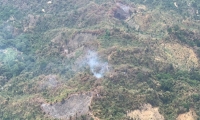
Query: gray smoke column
x=97 y=67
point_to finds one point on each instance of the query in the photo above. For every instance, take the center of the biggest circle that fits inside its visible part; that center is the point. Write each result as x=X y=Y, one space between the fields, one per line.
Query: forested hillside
x=100 y=59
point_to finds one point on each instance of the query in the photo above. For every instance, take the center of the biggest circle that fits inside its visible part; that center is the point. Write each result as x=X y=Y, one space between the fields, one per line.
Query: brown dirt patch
x=143 y=20
x=146 y=113
x=180 y=56
x=191 y=115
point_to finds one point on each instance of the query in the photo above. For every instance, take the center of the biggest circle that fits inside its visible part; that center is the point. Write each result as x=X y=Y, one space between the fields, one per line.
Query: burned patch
x=74 y=106
x=48 y=82
x=121 y=11
x=80 y=42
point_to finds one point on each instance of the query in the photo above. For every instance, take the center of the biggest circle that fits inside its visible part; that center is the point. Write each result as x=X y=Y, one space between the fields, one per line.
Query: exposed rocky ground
x=70 y=108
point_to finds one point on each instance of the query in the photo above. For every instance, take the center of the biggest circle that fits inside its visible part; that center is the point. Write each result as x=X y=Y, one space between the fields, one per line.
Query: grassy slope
x=136 y=77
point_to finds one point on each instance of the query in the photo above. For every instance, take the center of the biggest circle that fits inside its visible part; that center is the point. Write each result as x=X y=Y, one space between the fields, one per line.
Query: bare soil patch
x=72 y=107
x=191 y=115
x=147 y=112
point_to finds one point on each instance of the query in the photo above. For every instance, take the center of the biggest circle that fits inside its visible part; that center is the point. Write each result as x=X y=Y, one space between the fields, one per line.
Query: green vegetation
x=8 y=11
x=185 y=36
x=33 y=49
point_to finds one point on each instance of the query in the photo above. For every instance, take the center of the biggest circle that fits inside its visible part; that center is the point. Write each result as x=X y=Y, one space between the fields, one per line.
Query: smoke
x=124 y=7
x=97 y=66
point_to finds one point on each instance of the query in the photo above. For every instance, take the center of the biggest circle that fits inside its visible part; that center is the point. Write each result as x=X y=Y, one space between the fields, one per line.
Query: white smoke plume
x=97 y=66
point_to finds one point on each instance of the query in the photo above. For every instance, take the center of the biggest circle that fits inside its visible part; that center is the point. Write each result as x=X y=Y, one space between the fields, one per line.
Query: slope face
x=74 y=106
x=191 y=115
x=119 y=54
x=146 y=113
x=180 y=56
